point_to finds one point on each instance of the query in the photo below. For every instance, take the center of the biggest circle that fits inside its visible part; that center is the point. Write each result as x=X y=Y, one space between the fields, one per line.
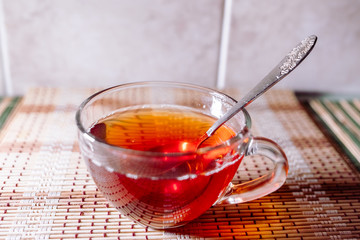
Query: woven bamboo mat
x=47 y=193
x=341 y=117
x=7 y=106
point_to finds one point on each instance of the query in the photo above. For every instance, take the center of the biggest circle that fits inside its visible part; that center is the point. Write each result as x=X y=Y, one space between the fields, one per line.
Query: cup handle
x=263 y=185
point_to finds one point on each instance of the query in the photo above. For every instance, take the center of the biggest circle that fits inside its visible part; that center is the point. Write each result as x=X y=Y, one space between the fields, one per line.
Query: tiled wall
x=83 y=43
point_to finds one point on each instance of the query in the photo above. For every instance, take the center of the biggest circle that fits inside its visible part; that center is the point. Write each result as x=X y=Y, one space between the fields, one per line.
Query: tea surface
x=146 y=129
x=164 y=199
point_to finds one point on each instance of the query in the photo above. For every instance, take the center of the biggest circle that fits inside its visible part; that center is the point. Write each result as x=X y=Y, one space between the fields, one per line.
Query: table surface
x=47 y=193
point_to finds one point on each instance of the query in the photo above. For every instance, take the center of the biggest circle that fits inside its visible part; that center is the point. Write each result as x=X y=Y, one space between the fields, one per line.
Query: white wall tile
x=4 y=61
x=263 y=32
x=102 y=43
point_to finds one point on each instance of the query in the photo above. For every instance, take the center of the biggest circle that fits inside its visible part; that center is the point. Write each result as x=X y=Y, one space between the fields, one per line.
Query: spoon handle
x=287 y=65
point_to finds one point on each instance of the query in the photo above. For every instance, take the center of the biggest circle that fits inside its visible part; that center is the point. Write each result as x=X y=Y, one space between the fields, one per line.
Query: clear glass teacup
x=124 y=132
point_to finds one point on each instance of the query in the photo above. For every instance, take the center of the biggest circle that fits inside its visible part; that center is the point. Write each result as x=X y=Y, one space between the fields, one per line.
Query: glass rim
x=239 y=135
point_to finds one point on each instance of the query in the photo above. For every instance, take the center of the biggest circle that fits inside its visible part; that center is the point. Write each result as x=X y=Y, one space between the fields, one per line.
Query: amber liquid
x=182 y=187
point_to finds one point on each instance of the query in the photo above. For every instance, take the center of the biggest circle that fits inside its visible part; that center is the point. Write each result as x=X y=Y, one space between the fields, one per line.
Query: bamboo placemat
x=7 y=106
x=341 y=117
x=47 y=193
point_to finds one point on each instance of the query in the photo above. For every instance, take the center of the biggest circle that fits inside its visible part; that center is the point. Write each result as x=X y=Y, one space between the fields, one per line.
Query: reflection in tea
x=182 y=187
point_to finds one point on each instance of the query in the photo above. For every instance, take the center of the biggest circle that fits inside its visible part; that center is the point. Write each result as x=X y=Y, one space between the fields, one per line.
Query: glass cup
x=169 y=189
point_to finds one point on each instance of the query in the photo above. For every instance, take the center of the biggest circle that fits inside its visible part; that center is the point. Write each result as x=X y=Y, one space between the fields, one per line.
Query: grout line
x=224 y=44
x=5 y=62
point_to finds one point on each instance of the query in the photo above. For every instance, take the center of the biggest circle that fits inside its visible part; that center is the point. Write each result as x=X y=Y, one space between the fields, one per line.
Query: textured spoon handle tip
x=296 y=55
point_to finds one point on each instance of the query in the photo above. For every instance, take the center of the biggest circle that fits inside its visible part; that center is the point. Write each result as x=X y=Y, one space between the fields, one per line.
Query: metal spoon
x=287 y=65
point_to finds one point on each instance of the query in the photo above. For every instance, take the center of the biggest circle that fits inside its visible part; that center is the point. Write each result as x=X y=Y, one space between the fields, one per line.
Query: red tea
x=171 y=189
